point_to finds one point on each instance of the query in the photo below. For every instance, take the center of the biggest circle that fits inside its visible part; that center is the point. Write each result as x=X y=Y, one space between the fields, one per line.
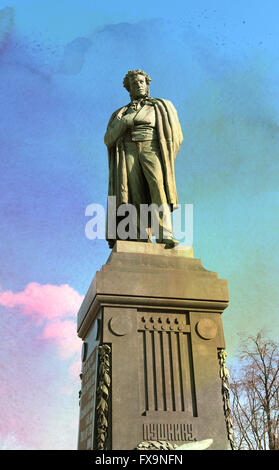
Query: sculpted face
x=138 y=86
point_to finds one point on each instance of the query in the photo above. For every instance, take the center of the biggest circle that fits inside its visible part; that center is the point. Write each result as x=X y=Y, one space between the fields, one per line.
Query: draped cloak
x=169 y=136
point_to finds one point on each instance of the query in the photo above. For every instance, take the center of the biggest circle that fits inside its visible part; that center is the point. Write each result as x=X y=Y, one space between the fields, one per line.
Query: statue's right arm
x=117 y=126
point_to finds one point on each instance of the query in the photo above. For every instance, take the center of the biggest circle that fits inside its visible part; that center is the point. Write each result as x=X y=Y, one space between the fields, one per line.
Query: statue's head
x=137 y=83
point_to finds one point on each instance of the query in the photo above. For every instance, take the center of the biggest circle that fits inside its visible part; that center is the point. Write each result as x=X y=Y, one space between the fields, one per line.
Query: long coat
x=170 y=138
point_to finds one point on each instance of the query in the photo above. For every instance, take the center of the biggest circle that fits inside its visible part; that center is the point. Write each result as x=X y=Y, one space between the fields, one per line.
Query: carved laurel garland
x=156 y=445
x=224 y=374
x=102 y=396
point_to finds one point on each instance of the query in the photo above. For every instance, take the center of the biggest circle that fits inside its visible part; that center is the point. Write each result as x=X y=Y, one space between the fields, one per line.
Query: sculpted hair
x=130 y=73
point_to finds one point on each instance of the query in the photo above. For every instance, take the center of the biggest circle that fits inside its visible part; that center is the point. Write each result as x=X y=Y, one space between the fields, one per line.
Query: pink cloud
x=53 y=310
x=55 y=306
x=10 y=442
x=75 y=369
x=43 y=301
x=64 y=334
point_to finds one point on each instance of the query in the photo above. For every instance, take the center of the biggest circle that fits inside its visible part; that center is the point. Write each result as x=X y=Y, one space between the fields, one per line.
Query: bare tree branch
x=255 y=395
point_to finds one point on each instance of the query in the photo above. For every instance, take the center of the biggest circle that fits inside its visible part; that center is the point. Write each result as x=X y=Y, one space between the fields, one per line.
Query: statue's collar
x=141 y=101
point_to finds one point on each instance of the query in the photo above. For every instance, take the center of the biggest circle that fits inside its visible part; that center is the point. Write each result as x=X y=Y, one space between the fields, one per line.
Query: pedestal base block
x=157 y=312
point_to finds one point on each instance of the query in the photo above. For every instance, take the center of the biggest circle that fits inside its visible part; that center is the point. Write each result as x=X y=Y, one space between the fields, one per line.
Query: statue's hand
x=128 y=120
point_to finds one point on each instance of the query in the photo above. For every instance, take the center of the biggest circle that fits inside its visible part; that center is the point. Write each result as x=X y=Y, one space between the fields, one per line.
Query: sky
x=62 y=65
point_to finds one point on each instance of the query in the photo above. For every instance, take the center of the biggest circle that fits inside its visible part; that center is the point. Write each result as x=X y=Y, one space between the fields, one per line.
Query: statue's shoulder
x=167 y=103
x=119 y=110
x=161 y=99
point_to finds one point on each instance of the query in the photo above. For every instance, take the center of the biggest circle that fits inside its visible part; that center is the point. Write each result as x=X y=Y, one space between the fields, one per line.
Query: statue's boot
x=169 y=242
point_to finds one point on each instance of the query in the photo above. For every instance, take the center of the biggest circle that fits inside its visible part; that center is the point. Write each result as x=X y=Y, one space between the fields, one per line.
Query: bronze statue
x=143 y=139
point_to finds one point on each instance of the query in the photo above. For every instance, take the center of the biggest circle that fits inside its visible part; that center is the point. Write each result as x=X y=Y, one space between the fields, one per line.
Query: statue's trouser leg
x=146 y=183
x=152 y=168
x=138 y=187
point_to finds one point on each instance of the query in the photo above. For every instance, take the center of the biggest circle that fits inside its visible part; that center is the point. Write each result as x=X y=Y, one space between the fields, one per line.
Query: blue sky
x=62 y=65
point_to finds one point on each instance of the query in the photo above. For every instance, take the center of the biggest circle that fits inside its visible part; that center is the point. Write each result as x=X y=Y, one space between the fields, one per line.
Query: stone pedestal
x=151 y=326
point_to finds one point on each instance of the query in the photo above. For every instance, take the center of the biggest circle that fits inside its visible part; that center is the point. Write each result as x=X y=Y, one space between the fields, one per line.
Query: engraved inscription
x=87 y=404
x=168 y=432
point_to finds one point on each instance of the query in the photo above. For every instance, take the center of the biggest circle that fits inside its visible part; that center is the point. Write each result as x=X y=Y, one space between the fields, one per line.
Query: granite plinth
x=159 y=311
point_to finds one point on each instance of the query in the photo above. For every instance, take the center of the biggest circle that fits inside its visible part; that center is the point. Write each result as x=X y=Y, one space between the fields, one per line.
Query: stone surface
x=206 y=328
x=160 y=312
x=152 y=249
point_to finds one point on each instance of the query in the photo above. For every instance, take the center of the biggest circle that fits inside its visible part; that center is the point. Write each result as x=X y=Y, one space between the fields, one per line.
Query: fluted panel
x=165 y=364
